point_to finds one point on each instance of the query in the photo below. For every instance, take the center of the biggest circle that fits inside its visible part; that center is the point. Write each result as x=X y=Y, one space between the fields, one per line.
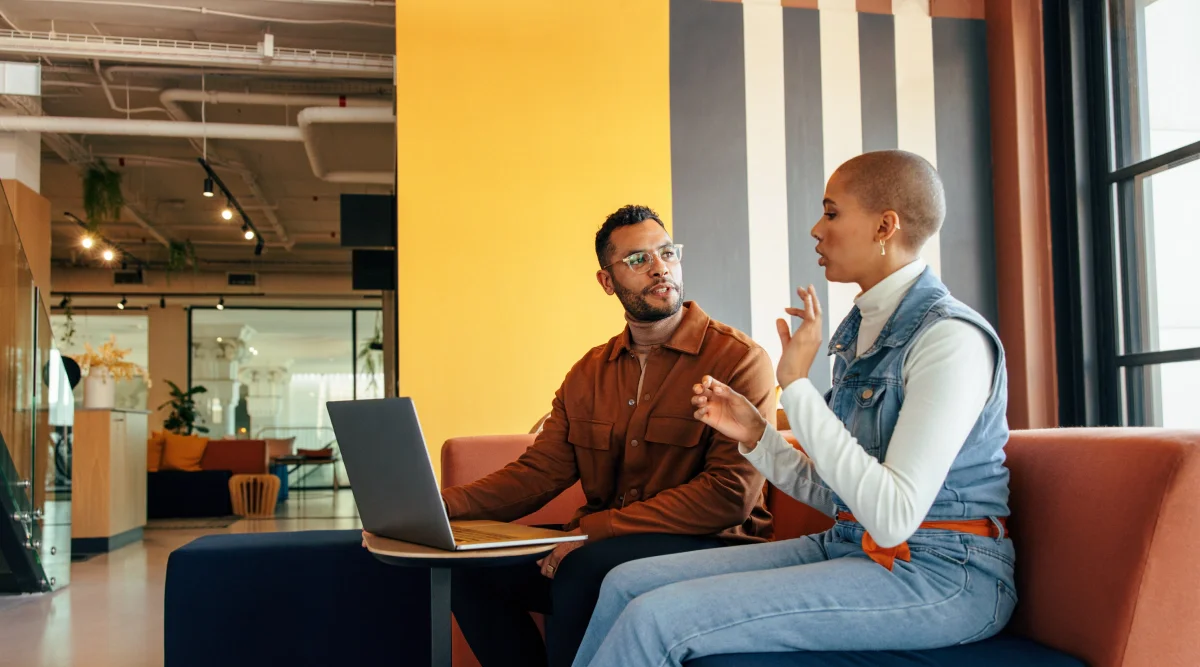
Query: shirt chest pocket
x=866 y=421
x=674 y=431
x=595 y=436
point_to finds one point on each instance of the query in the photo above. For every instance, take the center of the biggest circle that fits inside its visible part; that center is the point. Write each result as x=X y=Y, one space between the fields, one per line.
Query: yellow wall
x=521 y=124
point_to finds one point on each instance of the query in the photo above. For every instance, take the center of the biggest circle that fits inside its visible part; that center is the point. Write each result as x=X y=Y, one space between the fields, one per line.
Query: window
x=268 y=374
x=1123 y=108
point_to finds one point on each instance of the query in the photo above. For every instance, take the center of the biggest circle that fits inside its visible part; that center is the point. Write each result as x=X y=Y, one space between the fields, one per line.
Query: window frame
x=1098 y=310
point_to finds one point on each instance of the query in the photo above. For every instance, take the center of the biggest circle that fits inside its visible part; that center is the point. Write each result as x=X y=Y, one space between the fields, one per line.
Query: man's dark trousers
x=492 y=605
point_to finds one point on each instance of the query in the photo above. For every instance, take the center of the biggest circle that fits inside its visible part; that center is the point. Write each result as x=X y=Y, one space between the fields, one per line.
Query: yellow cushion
x=154 y=450
x=183 y=452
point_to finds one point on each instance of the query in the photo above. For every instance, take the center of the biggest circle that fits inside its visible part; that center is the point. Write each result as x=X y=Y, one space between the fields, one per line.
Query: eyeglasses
x=641 y=261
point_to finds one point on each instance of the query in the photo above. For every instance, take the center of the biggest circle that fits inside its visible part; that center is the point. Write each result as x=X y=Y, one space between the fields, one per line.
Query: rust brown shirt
x=645 y=463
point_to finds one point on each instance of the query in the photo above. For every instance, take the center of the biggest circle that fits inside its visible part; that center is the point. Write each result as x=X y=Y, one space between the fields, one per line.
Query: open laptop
x=397 y=493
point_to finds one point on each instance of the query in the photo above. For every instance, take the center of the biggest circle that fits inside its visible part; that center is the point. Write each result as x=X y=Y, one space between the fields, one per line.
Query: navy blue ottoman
x=1000 y=651
x=298 y=599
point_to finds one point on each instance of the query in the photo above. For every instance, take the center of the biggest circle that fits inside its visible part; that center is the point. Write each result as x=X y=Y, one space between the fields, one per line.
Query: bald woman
x=906 y=452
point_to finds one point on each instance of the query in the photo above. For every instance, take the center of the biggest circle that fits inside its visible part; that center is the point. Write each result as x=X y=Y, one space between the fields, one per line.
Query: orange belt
x=887 y=557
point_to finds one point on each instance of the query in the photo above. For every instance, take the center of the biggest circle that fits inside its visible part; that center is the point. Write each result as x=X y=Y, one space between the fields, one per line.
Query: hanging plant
x=102 y=196
x=68 y=336
x=181 y=254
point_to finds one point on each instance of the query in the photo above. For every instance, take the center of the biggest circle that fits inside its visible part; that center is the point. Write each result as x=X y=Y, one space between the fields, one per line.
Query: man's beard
x=639 y=308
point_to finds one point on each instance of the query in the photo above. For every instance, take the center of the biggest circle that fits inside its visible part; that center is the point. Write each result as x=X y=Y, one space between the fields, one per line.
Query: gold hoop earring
x=882 y=248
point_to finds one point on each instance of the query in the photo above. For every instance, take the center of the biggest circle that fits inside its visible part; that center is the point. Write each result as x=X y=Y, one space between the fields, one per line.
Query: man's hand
x=727 y=411
x=549 y=564
x=800 y=348
x=365 y=536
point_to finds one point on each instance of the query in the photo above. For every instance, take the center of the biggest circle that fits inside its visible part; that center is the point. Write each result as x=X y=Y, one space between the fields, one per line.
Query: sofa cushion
x=154 y=450
x=183 y=452
x=241 y=457
x=1000 y=651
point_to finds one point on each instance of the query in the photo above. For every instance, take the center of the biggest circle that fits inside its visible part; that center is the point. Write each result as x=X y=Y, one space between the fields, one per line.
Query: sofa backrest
x=1106 y=523
x=241 y=457
x=465 y=460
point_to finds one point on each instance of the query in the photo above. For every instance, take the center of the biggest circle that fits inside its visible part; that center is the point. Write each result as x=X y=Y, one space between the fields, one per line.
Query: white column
x=265 y=400
x=841 y=111
x=766 y=170
x=916 y=122
x=215 y=366
x=21 y=153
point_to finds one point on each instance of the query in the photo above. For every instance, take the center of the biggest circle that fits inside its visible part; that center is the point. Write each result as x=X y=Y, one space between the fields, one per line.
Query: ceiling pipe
x=173 y=96
x=332 y=115
x=150 y=128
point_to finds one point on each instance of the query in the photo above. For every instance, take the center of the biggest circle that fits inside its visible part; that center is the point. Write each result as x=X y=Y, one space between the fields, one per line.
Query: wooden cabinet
x=108 y=479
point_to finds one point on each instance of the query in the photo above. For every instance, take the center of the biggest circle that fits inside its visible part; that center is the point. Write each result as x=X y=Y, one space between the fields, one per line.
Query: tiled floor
x=111 y=614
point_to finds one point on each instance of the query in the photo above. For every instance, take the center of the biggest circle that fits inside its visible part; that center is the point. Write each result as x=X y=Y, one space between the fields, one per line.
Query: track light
x=108 y=255
x=65 y=302
x=122 y=304
x=249 y=234
x=227 y=213
x=162 y=302
x=208 y=187
x=87 y=241
x=221 y=303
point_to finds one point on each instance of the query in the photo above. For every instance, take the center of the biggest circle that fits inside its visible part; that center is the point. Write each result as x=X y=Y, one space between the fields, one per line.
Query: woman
x=906 y=451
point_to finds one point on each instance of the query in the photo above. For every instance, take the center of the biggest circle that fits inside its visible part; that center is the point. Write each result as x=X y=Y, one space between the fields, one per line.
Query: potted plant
x=182 y=419
x=369 y=355
x=103 y=368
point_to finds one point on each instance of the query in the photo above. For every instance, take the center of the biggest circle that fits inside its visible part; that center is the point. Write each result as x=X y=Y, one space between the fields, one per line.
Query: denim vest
x=868 y=391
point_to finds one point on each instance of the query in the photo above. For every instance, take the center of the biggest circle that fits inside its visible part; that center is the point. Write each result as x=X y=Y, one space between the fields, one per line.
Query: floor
x=111 y=614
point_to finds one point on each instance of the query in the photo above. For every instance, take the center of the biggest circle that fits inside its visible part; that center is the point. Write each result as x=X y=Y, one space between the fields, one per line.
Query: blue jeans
x=815 y=593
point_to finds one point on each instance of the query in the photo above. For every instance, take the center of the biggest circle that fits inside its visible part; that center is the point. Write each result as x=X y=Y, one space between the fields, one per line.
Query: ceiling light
x=121 y=305
x=208 y=187
x=221 y=304
x=219 y=339
x=227 y=213
x=162 y=302
x=87 y=241
x=249 y=234
x=65 y=302
x=108 y=255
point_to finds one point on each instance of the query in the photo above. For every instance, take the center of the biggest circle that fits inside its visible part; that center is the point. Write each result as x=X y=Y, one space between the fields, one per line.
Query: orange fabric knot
x=886 y=556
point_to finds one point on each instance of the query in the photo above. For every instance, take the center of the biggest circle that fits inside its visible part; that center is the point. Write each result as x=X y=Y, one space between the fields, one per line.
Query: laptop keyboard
x=464 y=535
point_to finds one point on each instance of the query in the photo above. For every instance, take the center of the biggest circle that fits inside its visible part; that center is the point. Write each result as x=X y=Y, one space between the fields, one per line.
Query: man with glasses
x=656 y=480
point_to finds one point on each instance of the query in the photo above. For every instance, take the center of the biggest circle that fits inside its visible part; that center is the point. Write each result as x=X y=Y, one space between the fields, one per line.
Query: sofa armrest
x=1106 y=523
x=465 y=460
x=241 y=457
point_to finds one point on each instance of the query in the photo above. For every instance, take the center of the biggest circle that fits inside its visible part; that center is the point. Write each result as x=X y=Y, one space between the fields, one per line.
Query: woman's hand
x=800 y=348
x=727 y=411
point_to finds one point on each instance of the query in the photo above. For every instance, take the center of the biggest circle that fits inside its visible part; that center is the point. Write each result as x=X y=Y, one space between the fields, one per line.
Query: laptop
x=397 y=493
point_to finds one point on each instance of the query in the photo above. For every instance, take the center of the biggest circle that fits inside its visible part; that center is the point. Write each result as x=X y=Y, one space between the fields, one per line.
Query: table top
x=407 y=553
x=304 y=460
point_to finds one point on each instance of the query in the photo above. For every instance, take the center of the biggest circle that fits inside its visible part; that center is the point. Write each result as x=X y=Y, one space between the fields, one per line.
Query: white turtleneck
x=947 y=380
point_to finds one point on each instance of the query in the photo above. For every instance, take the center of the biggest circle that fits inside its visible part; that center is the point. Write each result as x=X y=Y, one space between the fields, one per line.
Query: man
x=656 y=480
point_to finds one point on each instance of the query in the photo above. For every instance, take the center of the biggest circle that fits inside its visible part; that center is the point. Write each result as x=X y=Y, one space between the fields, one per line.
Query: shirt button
x=867 y=394
x=632 y=402
x=634 y=443
x=633 y=493
x=646 y=397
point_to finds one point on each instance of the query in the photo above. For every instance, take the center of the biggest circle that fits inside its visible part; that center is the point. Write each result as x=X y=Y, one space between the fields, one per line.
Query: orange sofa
x=1105 y=521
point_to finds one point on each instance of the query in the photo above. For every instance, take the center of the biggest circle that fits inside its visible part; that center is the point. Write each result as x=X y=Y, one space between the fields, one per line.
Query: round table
x=440 y=562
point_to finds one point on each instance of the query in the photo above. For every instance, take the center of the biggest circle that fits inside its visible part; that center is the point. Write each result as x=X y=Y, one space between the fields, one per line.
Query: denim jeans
x=818 y=592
